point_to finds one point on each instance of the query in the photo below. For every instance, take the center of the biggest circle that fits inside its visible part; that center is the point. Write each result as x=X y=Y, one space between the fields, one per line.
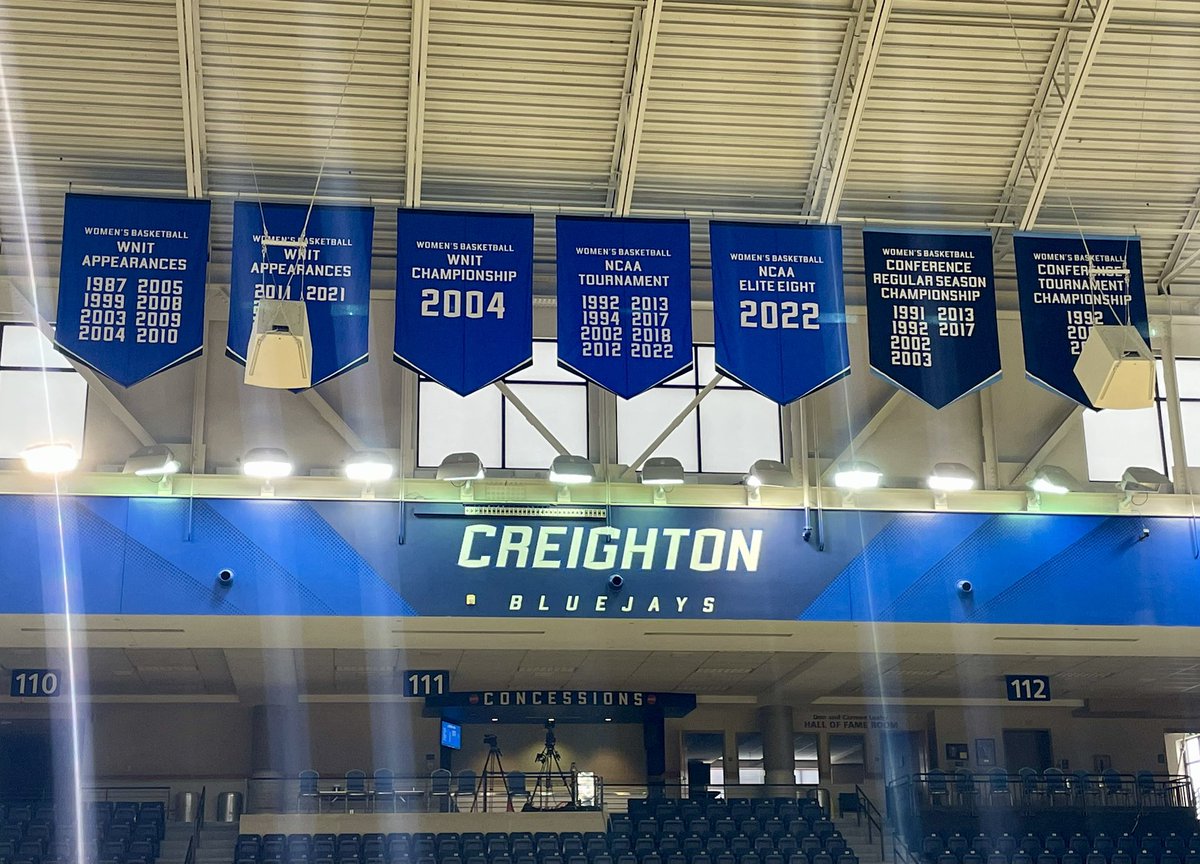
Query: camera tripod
x=542 y=795
x=492 y=766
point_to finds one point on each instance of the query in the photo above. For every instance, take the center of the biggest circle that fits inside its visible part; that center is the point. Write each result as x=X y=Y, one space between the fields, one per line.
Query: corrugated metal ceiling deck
x=526 y=101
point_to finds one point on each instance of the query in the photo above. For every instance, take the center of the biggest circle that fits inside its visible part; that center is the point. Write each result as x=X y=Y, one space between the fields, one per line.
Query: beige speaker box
x=1115 y=368
x=279 y=355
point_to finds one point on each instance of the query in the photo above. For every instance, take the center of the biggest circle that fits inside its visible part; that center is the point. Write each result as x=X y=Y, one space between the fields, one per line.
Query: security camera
x=225 y=576
x=1143 y=534
x=964 y=587
x=615 y=581
x=807 y=533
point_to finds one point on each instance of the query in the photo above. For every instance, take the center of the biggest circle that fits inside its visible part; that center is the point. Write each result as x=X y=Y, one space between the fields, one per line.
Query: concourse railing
x=1030 y=791
x=618 y=795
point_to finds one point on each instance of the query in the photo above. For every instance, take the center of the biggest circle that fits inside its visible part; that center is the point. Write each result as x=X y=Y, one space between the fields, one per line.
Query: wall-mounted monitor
x=451 y=735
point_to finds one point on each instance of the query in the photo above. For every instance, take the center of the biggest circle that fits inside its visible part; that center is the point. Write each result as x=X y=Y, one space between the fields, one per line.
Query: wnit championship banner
x=931 y=312
x=1067 y=284
x=131 y=283
x=464 y=296
x=624 y=300
x=778 y=307
x=330 y=271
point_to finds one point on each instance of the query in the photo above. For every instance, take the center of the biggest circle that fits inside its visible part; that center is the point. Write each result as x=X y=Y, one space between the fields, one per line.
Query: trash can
x=229 y=806
x=185 y=806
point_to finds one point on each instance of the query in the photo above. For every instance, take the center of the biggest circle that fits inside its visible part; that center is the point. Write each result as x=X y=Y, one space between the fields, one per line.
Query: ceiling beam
x=191 y=87
x=1058 y=138
x=1033 y=125
x=633 y=107
x=414 y=144
x=864 y=434
x=1048 y=446
x=839 y=91
x=1173 y=267
x=854 y=114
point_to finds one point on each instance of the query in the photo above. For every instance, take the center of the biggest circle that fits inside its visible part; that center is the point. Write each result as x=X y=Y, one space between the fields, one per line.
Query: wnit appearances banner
x=330 y=272
x=624 y=300
x=464 y=296
x=131 y=283
x=1067 y=284
x=931 y=312
x=778 y=307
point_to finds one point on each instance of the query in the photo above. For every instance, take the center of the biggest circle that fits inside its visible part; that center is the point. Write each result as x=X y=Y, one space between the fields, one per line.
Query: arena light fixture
x=951 y=477
x=662 y=471
x=156 y=461
x=853 y=476
x=460 y=468
x=53 y=458
x=1052 y=480
x=368 y=467
x=571 y=470
x=267 y=463
x=769 y=472
x=1137 y=480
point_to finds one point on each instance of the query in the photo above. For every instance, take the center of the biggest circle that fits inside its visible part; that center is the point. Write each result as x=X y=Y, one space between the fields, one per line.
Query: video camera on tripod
x=551 y=741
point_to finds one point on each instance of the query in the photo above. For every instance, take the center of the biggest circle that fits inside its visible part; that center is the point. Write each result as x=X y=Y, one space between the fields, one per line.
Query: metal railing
x=866 y=807
x=618 y=795
x=1028 y=791
x=198 y=819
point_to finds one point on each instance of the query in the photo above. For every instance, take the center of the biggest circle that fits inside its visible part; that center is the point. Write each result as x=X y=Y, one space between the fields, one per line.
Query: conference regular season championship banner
x=931 y=312
x=131 y=283
x=778 y=306
x=1067 y=284
x=331 y=274
x=464 y=296
x=624 y=300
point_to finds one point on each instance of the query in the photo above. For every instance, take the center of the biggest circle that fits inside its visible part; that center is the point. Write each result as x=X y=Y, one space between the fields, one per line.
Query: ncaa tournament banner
x=131 y=283
x=931 y=311
x=624 y=300
x=1067 y=284
x=331 y=274
x=159 y=556
x=778 y=306
x=464 y=296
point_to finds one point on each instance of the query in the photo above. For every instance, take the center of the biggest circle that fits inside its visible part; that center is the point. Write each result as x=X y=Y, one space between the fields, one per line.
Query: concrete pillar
x=729 y=758
x=654 y=736
x=779 y=747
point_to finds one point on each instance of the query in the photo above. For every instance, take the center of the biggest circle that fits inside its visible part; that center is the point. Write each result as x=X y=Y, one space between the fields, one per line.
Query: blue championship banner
x=778 y=307
x=131 y=283
x=331 y=274
x=1067 y=284
x=464 y=296
x=931 y=311
x=624 y=300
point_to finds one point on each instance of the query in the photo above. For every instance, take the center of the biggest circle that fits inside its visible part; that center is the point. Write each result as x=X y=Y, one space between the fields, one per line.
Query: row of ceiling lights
x=370 y=467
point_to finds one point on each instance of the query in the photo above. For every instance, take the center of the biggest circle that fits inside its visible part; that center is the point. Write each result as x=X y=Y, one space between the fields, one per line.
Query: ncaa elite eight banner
x=131 y=283
x=331 y=274
x=931 y=312
x=1066 y=285
x=624 y=300
x=464 y=296
x=778 y=307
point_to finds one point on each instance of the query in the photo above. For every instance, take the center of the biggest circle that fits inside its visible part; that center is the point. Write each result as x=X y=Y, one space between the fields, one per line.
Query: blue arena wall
x=160 y=556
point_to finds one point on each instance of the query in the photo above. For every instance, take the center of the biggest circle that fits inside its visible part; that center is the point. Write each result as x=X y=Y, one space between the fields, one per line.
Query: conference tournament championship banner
x=154 y=556
x=464 y=296
x=131 y=283
x=931 y=312
x=778 y=307
x=1066 y=285
x=331 y=274
x=624 y=300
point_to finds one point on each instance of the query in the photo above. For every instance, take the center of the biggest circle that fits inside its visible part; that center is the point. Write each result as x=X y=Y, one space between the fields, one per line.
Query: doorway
x=1027 y=748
